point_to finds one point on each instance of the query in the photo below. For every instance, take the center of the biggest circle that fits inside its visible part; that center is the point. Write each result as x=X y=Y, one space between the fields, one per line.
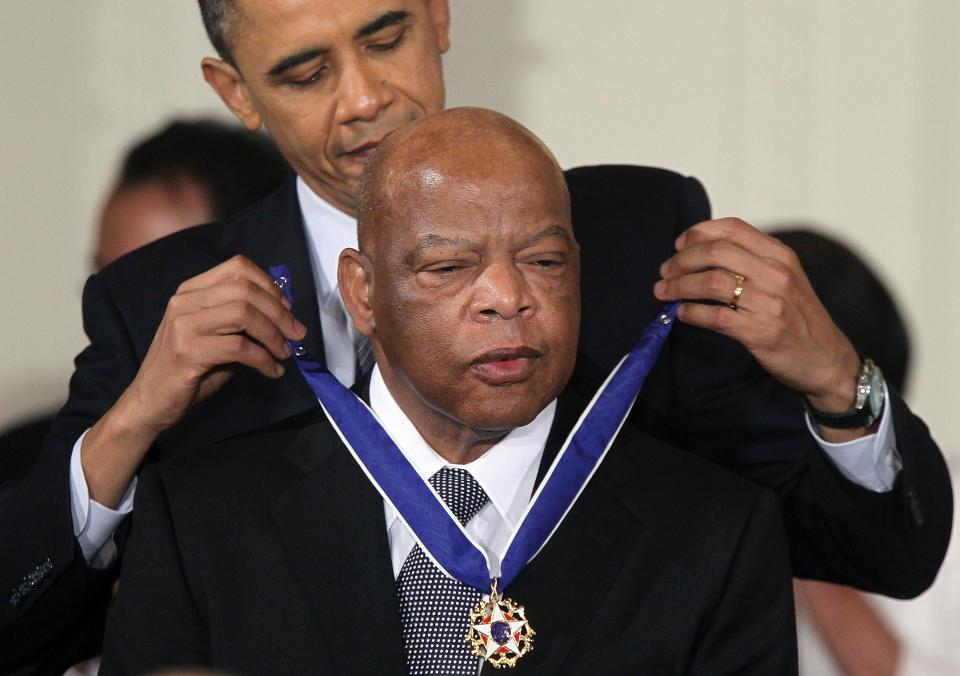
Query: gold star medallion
x=499 y=631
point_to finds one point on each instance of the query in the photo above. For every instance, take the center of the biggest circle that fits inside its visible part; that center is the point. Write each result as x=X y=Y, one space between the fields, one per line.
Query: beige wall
x=844 y=113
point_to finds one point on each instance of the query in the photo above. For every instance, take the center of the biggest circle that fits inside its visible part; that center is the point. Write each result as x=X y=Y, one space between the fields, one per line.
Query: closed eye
x=390 y=45
x=313 y=78
x=547 y=262
x=447 y=269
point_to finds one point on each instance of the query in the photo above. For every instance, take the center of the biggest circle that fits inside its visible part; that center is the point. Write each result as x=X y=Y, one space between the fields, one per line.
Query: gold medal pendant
x=499 y=631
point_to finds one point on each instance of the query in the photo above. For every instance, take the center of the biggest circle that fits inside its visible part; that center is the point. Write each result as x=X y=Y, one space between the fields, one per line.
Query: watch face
x=877 y=392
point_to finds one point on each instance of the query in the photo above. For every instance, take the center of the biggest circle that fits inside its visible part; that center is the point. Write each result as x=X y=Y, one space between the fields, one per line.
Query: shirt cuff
x=871 y=461
x=93 y=523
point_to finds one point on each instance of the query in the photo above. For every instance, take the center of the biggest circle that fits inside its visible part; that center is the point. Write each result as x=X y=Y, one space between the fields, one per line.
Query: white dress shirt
x=507 y=472
x=871 y=462
x=330 y=231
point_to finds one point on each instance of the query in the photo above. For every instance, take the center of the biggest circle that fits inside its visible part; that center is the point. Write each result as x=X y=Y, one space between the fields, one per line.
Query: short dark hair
x=856 y=299
x=233 y=166
x=217 y=16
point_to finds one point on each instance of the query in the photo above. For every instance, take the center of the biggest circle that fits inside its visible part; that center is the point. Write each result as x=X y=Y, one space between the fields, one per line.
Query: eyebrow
x=385 y=20
x=551 y=231
x=295 y=60
x=429 y=241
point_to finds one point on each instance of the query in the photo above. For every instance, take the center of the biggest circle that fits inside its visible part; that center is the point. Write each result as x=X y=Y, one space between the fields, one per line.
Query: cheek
x=560 y=301
x=421 y=327
x=421 y=81
x=301 y=130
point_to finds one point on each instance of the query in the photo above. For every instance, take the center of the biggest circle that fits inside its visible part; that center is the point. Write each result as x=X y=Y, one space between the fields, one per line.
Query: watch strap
x=861 y=414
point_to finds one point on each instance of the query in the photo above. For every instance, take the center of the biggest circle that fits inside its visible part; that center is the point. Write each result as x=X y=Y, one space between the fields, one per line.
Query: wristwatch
x=866 y=408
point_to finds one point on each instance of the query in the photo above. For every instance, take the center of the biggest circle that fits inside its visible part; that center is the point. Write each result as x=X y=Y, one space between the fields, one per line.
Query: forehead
x=279 y=26
x=474 y=207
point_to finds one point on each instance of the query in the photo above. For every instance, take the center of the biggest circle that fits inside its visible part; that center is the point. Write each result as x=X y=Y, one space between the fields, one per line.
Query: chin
x=503 y=413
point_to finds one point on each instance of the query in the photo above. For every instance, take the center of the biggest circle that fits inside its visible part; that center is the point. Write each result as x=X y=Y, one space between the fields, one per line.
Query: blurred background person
x=190 y=172
x=841 y=630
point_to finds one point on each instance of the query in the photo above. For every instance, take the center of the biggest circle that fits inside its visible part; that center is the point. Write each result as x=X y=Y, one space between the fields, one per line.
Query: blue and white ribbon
x=426 y=515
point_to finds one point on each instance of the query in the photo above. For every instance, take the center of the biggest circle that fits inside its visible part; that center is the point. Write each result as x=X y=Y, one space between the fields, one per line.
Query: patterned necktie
x=434 y=608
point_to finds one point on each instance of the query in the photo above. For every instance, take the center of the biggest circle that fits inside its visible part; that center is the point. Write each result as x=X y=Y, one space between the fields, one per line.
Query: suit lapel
x=564 y=585
x=331 y=522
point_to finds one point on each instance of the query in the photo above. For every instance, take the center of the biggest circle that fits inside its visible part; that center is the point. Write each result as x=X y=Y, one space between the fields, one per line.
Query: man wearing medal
x=475 y=471
x=188 y=337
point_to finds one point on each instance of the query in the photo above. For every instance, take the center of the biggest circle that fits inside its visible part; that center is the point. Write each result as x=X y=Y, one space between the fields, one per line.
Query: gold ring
x=737 y=292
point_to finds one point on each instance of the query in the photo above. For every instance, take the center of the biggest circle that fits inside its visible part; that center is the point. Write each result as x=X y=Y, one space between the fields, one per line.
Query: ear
x=355 y=278
x=440 y=14
x=232 y=90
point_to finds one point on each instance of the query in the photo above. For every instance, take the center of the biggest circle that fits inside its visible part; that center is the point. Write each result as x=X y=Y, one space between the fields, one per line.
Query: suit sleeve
x=46 y=586
x=707 y=394
x=723 y=406
x=752 y=629
x=154 y=622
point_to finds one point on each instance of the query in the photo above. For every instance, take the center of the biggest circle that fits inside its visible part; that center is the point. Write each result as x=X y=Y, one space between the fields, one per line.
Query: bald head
x=467 y=145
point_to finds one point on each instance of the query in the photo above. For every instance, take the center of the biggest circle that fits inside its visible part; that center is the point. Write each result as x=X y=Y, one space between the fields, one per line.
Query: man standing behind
x=467 y=285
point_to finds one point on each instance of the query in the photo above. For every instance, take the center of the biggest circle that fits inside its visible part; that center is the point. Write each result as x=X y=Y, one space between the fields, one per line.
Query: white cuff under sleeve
x=871 y=461
x=94 y=524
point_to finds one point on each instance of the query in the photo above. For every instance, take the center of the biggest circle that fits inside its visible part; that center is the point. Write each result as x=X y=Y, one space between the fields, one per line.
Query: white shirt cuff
x=871 y=461
x=94 y=524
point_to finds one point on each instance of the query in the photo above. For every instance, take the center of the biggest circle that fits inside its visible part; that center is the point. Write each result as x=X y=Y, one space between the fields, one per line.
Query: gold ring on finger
x=737 y=292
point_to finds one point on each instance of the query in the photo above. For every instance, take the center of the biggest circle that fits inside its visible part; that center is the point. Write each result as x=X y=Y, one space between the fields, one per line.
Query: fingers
x=713 y=252
x=237 y=269
x=237 y=317
x=237 y=349
x=232 y=313
x=749 y=329
x=718 y=285
x=245 y=292
x=736 y=232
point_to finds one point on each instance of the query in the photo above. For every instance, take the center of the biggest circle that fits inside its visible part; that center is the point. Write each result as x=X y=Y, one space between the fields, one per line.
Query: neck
x=471 y=445
x=343 y=200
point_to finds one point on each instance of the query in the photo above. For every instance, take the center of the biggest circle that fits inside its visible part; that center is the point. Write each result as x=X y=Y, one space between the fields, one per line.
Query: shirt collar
x=499 y=471
x=329 y=231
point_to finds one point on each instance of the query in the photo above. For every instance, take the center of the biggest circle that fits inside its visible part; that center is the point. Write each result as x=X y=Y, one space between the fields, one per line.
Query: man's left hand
x=776 y=315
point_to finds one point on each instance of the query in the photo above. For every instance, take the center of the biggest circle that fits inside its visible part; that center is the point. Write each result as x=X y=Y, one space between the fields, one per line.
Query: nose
x=502 y=292
x=363 y=92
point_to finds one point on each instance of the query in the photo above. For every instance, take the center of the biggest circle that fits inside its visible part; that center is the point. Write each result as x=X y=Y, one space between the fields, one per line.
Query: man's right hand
x=231 y=314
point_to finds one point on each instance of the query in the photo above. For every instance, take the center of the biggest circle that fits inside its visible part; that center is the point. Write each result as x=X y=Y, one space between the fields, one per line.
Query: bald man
x=467 y=285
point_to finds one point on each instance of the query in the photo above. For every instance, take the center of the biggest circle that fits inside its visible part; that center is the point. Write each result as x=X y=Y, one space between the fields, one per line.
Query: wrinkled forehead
x=494 y=207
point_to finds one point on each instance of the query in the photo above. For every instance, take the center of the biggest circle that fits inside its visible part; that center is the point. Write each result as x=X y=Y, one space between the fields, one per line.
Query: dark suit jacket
x=268 y=554
x=705 y=394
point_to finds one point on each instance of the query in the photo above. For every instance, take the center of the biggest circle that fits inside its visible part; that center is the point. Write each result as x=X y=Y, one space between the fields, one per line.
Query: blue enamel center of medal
x=500 y=631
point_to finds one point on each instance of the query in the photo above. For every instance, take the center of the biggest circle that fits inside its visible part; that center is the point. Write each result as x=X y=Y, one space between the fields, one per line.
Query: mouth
x=505 y=365
x=364 y=150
